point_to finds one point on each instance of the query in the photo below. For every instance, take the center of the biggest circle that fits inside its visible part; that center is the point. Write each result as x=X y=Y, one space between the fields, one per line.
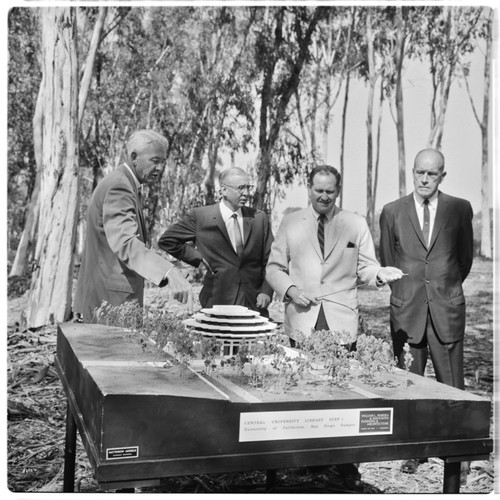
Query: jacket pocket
x=396 y=302
x=119 y=285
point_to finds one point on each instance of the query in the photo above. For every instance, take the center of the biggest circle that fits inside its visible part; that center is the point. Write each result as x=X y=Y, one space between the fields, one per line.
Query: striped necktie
x=321 y=233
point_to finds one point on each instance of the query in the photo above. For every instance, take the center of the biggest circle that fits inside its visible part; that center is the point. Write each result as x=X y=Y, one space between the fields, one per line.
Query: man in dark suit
x=428 y=235
x=232 y=241
x=115 y=258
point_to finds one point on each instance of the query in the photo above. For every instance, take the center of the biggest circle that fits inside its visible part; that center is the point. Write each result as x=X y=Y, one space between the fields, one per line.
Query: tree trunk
x=400 y=50
x=26 y=247
x=486 y=237
x=50 y=294
x=369 y=121
x=268 y=140
x=343 y=132
x=89 y=65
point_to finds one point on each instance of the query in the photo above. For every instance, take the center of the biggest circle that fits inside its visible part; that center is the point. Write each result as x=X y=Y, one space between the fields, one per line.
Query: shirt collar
x=432 y=200
x=136 y=181
x=226 y=212
x=329 y=215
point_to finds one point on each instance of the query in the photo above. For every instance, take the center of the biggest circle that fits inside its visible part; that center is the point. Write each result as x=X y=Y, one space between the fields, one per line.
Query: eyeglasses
x=431 y=175
x=242 y=188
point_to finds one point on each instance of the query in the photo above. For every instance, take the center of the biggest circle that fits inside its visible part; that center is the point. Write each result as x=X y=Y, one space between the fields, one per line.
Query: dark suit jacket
x=435 y=274
x=205 y=227
x=115 y=258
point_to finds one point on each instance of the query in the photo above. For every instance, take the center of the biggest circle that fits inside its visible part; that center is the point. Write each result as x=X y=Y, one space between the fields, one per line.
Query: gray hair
x=141 y=139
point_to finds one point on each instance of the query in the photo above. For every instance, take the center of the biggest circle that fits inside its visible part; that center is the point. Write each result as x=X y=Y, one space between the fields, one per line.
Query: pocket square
x=351 y=245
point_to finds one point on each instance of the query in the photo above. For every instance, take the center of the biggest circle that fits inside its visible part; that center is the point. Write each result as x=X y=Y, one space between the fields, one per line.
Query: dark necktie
x=237 y=235
x=321 y=233
x=427 y=222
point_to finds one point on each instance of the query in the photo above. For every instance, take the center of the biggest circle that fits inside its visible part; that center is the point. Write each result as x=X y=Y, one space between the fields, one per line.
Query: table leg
x=69 y=452
x=270 y=480
x=451 y=482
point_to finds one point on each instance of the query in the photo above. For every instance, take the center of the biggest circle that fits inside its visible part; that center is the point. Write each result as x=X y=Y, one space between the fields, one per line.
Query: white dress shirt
x=419 y=206
x=227 y=215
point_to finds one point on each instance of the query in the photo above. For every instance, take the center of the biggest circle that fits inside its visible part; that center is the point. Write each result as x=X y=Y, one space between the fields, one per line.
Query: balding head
x=430 y=157
x=229 y=175
x=428 y=172
x=235 y=189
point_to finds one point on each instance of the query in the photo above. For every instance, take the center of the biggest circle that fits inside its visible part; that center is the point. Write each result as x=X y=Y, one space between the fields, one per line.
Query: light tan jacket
x=349 y=260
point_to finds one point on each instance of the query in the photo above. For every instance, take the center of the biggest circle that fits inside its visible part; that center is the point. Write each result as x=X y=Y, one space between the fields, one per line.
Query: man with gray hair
x=116 y=259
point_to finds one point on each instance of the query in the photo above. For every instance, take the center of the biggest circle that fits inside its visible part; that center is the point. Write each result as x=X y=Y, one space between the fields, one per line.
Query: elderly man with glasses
x=232 y=241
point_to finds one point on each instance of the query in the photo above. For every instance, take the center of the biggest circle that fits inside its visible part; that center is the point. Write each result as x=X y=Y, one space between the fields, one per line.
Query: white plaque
x=307 y=424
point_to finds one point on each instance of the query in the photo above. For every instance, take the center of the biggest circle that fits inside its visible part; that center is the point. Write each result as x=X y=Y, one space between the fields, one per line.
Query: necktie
x=321 y=233
x=237 y=235
x=427 y=222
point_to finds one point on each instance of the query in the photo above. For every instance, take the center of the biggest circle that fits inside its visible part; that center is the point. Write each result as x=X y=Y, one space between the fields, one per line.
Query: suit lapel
x=219 y=222
x=310 y=228
x=412 y=214
x=442 y=214
x=138 y=200
x=333 y=232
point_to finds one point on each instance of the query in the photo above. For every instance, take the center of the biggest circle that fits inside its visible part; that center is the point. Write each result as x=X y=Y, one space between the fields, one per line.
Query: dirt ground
x=37 y=409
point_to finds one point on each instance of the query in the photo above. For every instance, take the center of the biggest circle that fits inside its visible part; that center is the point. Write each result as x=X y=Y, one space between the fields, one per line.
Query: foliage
x=24 y=78
x=374 y=356
x=218 y=80
x=147 y=325
x=322 y=353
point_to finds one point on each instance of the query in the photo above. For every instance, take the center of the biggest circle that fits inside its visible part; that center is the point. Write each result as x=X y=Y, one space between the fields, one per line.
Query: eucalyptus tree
x=334 y=59
x=380 y=48
x=50 y=293
x=281 y=50
x=449 y=37
x=24 y=78
x=483 y=120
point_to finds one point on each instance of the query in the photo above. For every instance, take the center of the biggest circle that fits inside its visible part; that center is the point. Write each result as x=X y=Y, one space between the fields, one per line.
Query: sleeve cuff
x=164 y=281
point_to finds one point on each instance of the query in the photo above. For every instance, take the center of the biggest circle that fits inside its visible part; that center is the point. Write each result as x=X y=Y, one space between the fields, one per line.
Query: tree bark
x=89 y=65
x=400 y=128
x=26 y=248
x=50 y=294
x=486 y=236
x=268 y=140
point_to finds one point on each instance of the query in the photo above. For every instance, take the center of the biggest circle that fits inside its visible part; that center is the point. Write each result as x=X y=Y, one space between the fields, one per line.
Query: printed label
x=303 y=424
x=120 y=453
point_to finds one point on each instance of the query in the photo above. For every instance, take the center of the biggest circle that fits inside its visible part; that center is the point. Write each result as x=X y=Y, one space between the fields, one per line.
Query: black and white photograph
x=251 y=247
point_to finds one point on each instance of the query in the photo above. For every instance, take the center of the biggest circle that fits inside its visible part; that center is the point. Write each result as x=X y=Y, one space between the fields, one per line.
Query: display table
x=142 y=419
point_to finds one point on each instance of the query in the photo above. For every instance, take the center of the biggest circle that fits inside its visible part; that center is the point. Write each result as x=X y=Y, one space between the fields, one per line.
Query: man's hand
x=389 y=274
x=207 y=266
x=263 y=300
x=179 y=286
x=299 y=297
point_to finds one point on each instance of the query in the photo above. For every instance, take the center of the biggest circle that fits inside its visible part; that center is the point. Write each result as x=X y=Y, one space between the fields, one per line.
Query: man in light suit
x=428 y=234
x=320 y=256
x=320 y=285
x=232 y=241
x=115 y=258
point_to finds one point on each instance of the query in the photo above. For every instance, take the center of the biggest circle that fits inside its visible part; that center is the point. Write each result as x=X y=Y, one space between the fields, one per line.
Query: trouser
x=447 y=358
